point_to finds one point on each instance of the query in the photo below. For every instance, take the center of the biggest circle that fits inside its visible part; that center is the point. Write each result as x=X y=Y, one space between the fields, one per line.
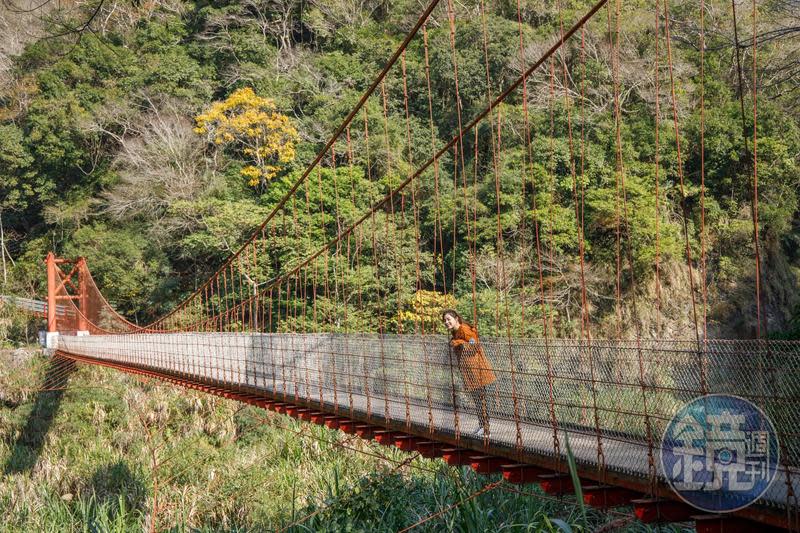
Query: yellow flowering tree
x=251 y=124
x=425 y=309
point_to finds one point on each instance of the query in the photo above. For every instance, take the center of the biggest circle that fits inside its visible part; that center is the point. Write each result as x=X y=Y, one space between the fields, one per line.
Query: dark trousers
x=480 y=399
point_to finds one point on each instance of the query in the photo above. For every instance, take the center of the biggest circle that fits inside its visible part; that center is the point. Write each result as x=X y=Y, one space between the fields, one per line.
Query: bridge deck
x=611 y=394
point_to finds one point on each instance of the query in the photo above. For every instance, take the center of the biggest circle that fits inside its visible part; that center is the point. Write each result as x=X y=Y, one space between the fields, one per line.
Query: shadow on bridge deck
x=28 y=446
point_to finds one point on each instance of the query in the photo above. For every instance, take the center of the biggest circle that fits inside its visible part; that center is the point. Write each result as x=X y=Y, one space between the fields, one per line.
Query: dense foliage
x=155 y=141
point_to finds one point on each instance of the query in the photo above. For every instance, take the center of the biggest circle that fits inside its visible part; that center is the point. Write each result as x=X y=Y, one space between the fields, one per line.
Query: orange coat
x=475 y=367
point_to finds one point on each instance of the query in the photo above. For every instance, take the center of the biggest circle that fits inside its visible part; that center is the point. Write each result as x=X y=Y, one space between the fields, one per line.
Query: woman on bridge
x=476 y=369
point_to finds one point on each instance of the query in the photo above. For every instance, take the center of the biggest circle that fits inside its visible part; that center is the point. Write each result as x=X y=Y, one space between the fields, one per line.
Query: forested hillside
x=119 y=141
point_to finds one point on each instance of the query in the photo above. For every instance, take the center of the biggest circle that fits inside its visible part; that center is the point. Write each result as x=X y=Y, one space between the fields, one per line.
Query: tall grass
x=220 y=467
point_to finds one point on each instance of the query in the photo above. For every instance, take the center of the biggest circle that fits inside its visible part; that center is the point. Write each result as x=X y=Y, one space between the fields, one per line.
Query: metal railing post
x=83 y=295
x=51 y=293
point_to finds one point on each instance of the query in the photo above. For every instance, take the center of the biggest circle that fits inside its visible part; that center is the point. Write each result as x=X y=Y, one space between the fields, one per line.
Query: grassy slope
x=84 y=462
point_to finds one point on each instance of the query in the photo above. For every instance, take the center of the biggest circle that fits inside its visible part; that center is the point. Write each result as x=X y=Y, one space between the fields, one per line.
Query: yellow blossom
x=252 y=125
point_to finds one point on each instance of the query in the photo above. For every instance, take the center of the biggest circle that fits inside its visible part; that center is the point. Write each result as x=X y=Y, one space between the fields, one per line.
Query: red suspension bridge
x=295 y=329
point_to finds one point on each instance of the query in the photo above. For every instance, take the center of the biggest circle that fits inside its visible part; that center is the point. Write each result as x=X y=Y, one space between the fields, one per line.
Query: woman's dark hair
x=454 y=313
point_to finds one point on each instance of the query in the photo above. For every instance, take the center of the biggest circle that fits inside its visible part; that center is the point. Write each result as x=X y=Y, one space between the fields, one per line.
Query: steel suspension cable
x=572 y=172
x=756 y=242
x=458 y=149
x=542 y=301
x=414 y=189
x=474 y=248
x=684 y=209
x=617 y=170
x=652 y=471
x=582 y=231
x=550 y=245
x=495 y=148
x=527 y=161
x=505 y=285
x=703 y=237
x=585 y=319
x=568 y=109
x=437 y=222
x=551 y=184
x=656 y=168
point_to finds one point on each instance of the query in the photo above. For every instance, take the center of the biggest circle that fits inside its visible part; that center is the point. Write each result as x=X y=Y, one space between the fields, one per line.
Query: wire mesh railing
x=415 y=382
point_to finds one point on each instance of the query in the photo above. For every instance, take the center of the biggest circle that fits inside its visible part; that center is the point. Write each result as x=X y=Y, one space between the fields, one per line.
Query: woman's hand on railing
x=457 y=342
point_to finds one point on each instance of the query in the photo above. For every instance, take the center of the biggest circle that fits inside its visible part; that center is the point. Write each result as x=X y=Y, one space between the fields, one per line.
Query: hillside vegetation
x=114 y=145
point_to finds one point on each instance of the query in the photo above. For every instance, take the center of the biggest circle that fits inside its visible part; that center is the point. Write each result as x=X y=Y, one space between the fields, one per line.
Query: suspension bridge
x=306 y=332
